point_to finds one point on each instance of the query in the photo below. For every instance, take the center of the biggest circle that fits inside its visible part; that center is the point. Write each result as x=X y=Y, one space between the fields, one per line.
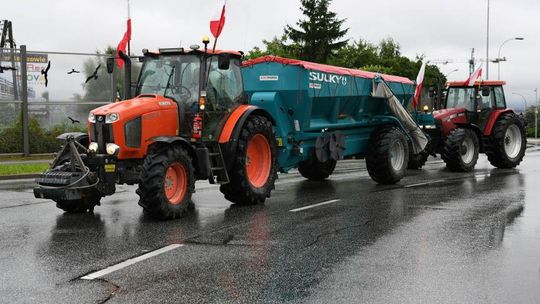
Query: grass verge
x=13 y=169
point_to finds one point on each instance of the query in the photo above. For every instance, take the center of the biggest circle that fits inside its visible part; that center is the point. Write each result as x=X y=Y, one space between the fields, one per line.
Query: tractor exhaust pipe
x=127 y=76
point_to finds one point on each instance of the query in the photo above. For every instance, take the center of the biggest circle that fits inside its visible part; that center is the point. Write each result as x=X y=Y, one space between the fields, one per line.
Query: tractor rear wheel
x=315 y=170
x=387 y=155
x=166 y=182
x=461 y=150
x=508 y=142
x=254 y=171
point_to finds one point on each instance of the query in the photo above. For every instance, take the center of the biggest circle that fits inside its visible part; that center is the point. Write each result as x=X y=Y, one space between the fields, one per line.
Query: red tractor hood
x=441 y=114
x=448 y=119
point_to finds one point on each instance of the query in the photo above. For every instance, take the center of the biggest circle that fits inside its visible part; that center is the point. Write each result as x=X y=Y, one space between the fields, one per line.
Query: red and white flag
x=123 y=44
x=419 y=82
x=218 y=21
x=474 y=77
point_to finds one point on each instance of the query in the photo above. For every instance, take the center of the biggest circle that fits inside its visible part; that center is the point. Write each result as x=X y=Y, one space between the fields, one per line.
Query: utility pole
x=471 y=63
x=536 y=114
x=487 y=43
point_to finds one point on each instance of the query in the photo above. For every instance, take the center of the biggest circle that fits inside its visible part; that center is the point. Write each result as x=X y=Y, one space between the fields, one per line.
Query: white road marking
x=424 y=184
x=129 y=262
x=314 y=205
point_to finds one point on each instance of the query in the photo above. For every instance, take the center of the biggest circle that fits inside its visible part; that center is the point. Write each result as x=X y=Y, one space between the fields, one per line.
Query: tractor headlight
x=92 y=117
x=112 y=149
x=110 y=118
x=93 y=147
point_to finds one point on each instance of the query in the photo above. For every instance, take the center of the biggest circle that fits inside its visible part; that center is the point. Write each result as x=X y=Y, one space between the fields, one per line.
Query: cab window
x=499 y=98
x=460 y=97
x=485 y=102
x=224 y=86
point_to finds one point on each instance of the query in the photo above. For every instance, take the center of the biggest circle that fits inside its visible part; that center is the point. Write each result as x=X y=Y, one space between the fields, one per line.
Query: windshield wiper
x=169 y=81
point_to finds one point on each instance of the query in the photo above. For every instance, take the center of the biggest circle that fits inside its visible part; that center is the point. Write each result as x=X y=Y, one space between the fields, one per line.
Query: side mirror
x=224 y=61
x=485 y=91
x=110 y=65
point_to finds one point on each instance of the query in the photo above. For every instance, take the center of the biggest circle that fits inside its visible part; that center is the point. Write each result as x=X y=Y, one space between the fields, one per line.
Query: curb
x=18 y=176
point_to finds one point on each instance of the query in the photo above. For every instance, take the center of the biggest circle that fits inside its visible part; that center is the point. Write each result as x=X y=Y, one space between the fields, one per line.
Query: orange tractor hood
x=132 y=108
x=153 y=115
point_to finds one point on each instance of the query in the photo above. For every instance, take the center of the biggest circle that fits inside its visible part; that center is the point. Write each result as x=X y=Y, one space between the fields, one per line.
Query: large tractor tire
x=315 y=170
x=166 y=182
x=254 y=171
x=508 y=142
x=387 y=155
x=461 y=150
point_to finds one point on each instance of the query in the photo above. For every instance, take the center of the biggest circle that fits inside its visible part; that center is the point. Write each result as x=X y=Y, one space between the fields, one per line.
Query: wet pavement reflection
x=471 y=237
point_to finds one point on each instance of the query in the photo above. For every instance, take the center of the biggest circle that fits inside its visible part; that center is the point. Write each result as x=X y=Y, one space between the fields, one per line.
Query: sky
x=437 y=29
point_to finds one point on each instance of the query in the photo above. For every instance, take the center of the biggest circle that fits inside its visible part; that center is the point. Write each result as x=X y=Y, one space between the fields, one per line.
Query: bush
x=41 y=140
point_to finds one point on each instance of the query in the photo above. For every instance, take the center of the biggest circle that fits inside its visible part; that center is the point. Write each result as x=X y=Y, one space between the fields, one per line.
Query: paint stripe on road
x=314 y=205
x=130 y=262
x=424 y=184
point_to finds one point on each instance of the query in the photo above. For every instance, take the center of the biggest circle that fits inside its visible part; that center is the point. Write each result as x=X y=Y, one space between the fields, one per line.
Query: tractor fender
x=228 y=138
x=493 y=119
x=80 y=137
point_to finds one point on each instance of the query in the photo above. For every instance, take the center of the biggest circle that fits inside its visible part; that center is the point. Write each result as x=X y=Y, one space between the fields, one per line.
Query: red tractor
x=474 y=120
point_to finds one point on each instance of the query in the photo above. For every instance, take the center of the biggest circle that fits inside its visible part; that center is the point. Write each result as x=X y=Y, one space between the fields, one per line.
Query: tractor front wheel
x=508 y=142
x=461 y=150
x=315 y=170
x=254 y=171
x=387 y=155
x=166 y=182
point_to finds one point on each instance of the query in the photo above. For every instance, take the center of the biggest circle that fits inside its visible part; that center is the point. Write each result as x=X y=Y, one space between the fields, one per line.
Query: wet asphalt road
x=436 y=237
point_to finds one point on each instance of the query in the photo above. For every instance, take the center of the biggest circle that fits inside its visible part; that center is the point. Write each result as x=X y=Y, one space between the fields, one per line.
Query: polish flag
x=419 y=82
x=123 y=44
x=218 y=21
x=474 y=77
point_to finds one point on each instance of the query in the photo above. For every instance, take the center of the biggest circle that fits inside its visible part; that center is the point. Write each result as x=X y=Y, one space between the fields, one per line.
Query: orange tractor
x=189 y=105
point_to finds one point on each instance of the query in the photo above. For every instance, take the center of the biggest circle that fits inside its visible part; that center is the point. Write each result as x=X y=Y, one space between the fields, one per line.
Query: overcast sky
x=439 y=29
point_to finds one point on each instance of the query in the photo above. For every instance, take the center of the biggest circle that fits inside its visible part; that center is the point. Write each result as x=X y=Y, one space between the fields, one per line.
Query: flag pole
x=220 y=26
x=129 y=41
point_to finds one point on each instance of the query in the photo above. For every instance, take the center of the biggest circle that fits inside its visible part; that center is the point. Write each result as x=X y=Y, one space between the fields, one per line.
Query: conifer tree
x=320 y=34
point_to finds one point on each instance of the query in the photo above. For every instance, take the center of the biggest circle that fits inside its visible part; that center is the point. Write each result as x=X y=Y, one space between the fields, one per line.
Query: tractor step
x=215 y=164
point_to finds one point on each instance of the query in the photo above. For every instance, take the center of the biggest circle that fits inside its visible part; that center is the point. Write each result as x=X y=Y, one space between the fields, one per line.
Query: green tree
x=277 y=47
x=355 y=54
x=320 y=34
x=529 y=118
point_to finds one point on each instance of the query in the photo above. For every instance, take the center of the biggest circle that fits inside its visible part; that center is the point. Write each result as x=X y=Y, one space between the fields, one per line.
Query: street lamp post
x=524 y=99
x=446 y=76
x=499 y=59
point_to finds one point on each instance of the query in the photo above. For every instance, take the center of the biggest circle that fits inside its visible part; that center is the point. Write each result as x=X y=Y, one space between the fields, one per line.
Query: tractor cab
x=180 y=75
x=471 y=104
